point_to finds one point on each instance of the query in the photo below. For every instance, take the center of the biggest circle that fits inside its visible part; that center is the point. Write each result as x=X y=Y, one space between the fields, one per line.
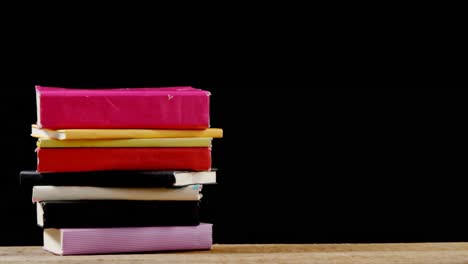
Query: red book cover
x=98 y=159
x=163 y=108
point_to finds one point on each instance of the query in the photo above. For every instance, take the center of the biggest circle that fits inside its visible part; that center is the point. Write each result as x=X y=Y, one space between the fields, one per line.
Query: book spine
x=99 y=179
x=29 y=178
x=127 y=143
x=61 y=110
x=84 y=159
x=125 y=133
x=143 y=239
x=59 y=193
x=108 y=213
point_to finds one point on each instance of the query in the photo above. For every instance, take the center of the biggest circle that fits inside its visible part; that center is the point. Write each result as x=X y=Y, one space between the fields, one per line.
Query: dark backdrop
x=329 y=140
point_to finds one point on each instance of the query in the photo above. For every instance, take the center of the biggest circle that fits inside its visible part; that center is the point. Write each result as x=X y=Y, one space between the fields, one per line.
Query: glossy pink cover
x=165 y=108
x=80 y=241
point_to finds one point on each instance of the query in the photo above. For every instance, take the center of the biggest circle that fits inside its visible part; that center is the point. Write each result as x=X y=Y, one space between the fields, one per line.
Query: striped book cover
x=85 y=241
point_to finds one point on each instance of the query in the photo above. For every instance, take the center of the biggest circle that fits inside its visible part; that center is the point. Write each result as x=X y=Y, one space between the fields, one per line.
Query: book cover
x=100 y=159
x=167 y=108
x=28 y=179
x=125 y=143
x=81 y=241
x=66 y=134
x=112 y=213
x=65 y=193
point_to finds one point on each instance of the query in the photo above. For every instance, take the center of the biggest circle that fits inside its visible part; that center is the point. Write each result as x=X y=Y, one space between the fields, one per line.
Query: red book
x=98 y=159
x=163 y=108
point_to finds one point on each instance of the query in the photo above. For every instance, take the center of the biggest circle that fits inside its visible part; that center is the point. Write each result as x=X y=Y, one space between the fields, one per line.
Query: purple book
x=81 y=241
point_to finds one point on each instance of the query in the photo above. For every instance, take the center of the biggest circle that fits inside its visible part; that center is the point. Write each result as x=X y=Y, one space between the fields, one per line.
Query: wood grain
x=427 y=253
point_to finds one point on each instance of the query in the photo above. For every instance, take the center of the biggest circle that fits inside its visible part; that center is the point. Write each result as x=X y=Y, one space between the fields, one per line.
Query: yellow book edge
x=125 y=143
x=66 y=134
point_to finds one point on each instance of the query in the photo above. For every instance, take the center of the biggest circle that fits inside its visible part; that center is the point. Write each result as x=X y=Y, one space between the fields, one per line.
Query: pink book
x=81 y=241
x=164 y=108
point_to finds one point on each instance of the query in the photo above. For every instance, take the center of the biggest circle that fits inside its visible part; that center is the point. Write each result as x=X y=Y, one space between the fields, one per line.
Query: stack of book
x=121 y=170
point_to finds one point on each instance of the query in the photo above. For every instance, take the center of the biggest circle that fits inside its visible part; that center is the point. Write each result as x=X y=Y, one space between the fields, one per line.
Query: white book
x=48 y=193
x=183 y=178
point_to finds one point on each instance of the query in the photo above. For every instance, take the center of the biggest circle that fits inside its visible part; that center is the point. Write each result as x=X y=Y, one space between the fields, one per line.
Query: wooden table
x=427 y=253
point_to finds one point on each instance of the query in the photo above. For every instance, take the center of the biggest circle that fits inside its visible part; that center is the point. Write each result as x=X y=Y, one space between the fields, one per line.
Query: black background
x=329 y=134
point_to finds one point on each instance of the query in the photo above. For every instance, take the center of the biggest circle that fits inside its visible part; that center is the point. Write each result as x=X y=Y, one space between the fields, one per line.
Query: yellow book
x=124 y=143
x=65 y=134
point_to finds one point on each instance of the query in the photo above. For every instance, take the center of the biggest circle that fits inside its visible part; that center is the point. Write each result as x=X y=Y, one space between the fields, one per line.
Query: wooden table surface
x=427 y=253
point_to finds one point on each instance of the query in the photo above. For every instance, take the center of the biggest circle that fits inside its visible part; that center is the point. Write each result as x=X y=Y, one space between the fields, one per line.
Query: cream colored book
x=124 y=143
x=65 y=134
x=57 y=193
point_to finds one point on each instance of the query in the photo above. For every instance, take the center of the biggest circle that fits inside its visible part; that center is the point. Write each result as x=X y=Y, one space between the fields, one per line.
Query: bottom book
x=81 y=241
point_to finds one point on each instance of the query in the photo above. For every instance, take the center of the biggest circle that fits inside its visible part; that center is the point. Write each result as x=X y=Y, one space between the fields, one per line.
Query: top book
x=181 y=107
